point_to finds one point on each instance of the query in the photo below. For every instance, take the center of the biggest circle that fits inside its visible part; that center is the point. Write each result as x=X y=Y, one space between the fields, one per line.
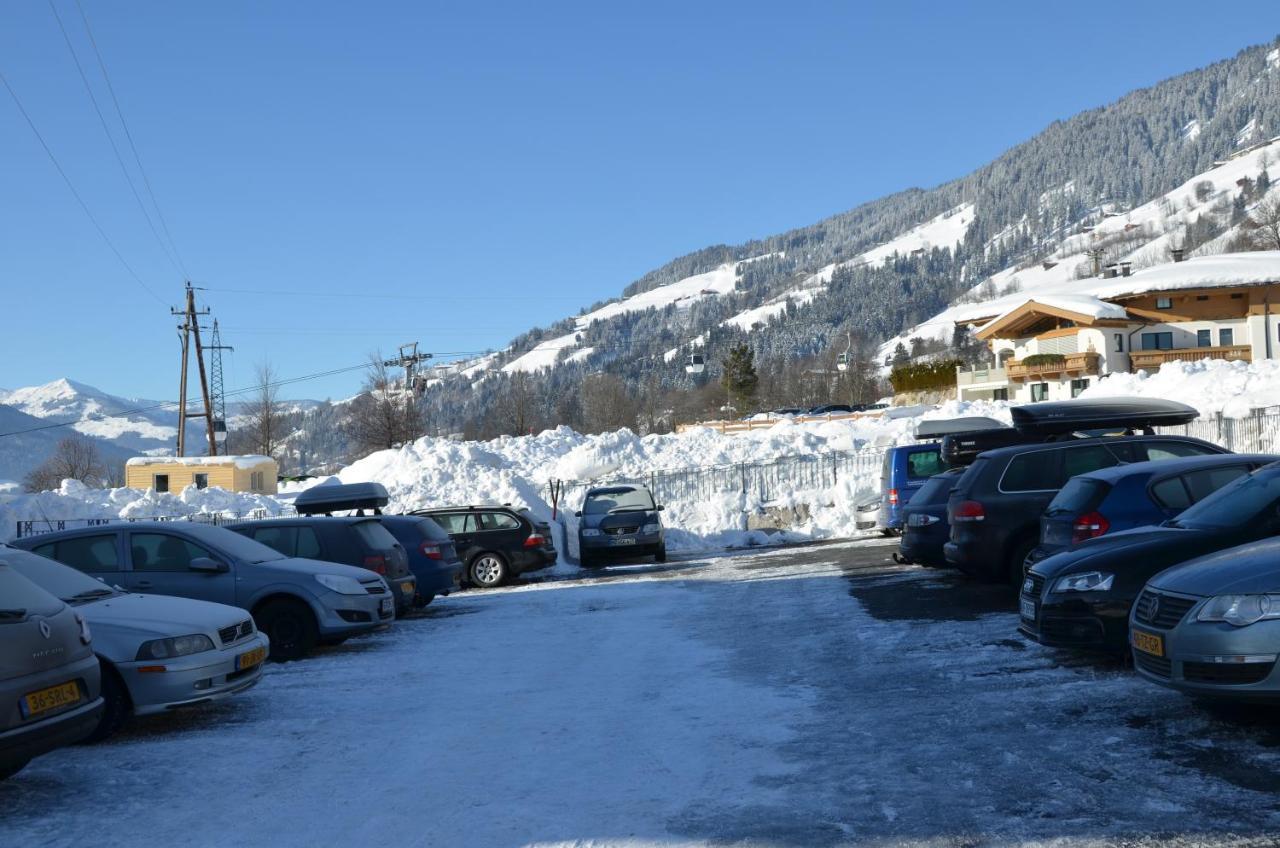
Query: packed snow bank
x=1212 y=386
x=75 y=500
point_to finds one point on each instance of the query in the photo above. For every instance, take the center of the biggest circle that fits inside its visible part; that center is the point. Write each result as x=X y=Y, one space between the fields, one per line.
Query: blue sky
x=455 y=173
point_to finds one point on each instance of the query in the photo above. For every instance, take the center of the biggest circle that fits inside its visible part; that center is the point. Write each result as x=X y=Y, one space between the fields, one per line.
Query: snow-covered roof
x=1077 y=306
x=245 y=461
x=1226 y=269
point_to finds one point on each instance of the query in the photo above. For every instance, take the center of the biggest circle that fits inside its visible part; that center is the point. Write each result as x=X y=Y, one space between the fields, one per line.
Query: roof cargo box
x=1071 y=416
x=323 y=500
x=961 y=449
x=939 y=427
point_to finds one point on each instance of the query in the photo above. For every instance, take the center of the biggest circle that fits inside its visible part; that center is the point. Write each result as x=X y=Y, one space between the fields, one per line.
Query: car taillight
x=893 y=497
x=968 y=511
x=430 y=550
x=377 y=564
x=1089 y=526
x=534 y=541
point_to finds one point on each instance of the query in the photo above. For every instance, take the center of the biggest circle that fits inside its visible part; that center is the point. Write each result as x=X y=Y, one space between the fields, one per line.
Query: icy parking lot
x=809 y=696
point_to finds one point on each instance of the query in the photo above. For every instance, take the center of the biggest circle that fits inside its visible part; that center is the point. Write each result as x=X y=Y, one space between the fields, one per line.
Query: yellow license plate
x=250 y=658
x=1148 y=643
x=47 y=700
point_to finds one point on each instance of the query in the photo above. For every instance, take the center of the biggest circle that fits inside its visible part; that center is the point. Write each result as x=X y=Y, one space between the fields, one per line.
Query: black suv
x=495 y=543
x=994 y=510
x=360 y=541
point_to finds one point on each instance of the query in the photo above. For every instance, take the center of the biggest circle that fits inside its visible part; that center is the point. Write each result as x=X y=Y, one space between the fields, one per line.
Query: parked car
x=359 y=541
x=1211 y=626
x=49 y=677
x=1134 y=495
x=868 y=516
x=924 y=521
x=995 y=508
x=907 y=467
x=831 y=409
x=297 y=602
x=433 y=558
x=1082 y=597
x=619 y=522
x=495 y=543
x=156 y=653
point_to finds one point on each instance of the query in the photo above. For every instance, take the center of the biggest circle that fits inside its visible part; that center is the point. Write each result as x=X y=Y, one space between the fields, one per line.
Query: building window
x=160 y=482
x=255 y=481
x=1226 y=337
x=999 y=394
x=1039 y=392
x=202 y=481
x=1164 y=303
x=1157 y=341
x=1078 y=386
x=1119 y=339
x=1238 y=296
x=1202 y=297
x=1203 y=338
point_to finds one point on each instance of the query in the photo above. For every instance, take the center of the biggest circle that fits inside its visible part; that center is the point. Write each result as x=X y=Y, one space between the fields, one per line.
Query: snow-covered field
x=794 y=698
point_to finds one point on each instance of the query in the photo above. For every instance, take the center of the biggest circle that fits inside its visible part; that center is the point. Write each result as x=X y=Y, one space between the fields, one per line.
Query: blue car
x=433 y=558
x=924 y=522
x=1137 y=494
x=905 y=470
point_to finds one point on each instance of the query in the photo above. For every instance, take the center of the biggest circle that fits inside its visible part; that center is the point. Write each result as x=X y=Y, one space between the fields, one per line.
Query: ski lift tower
x=409 y=359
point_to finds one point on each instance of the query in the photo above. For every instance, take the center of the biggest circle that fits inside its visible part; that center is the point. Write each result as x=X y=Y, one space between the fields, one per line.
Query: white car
x=157 y=653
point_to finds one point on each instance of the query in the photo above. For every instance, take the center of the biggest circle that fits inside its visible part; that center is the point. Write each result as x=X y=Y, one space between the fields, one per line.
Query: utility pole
x=217 y=389
x=408 y=359
x=189 y=329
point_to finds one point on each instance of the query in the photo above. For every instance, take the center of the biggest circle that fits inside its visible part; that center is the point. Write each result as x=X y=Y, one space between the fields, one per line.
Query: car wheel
x=291 y=627
x=117 y=707
x=9 y=771
x=423 y=600
x=1017 y=561
x=488 y=571
x=661 y=555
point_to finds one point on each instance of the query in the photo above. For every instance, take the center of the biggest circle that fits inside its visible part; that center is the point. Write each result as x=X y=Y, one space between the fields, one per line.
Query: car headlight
x=85 y=636
x=1089 y=581
x=1240 y=610
x=179 y=646
x=590 y=531
x=651 y=528
x=341 y=585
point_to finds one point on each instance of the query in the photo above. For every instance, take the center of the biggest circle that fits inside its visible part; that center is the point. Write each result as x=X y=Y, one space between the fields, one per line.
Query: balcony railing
x=1150 y=359
x=1071 y=363
x=979 y=376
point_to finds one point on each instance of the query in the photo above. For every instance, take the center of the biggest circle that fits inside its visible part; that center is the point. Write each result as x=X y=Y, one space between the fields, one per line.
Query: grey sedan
x=296 y=602
x=1211 y=626
x=157 y=653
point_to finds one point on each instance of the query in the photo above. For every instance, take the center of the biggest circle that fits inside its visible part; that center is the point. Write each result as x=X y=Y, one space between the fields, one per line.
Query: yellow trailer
x=248 y=473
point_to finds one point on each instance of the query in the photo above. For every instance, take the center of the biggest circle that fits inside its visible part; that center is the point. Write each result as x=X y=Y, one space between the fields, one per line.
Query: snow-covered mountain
x=98 y=414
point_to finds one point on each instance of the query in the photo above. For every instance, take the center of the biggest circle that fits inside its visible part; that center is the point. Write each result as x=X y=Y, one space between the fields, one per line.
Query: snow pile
x=75 y=500
x=1212 y=386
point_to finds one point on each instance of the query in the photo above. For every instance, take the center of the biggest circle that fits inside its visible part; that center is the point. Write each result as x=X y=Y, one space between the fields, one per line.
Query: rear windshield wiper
x=629 y=509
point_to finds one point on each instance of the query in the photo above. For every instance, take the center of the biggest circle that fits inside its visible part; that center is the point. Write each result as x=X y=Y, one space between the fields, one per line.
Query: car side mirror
x=208 y=566
x=578 y=514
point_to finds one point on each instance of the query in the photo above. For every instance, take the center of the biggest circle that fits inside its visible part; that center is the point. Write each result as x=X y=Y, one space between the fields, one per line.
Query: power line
x=386 y=296
x=48 y=152
x=146 y=181
x=110 y=138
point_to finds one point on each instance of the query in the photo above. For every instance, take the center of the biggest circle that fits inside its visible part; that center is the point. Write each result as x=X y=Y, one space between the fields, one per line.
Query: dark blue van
x=907 y=467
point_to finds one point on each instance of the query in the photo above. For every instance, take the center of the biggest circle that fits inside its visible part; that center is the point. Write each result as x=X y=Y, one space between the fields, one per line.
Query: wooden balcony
x=1148 y=360
x=981 y=376
x=1072 y=364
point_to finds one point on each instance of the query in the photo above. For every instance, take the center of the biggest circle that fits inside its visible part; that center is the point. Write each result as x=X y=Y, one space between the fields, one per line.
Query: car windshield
x=58 y=580
x=430 y=530
x=19 y=597
x=232 y=544
x=617 y=500
x=1243 y=502
x=934 y=490
x=1080 y=495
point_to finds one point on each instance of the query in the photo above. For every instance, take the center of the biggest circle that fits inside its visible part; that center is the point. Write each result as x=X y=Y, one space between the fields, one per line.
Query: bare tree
x=1264 y=223
x=75 y=458
x=384 y=415
x=264 y=429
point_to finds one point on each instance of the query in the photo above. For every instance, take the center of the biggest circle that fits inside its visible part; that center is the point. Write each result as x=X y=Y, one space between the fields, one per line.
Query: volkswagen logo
x=45 y=630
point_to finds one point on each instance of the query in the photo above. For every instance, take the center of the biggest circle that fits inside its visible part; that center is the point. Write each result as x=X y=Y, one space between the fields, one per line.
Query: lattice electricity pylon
x=217 y=393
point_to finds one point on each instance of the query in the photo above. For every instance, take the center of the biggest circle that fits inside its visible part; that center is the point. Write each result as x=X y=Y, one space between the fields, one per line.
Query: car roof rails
x=325 y=500
x=961 y=449
x=936 y=428
x=1130 y=414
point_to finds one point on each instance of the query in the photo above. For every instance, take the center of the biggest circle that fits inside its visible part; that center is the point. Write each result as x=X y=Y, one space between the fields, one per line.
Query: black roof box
x=1070 y=416
x=938 y=427
x=323 y=500
x=961 y=449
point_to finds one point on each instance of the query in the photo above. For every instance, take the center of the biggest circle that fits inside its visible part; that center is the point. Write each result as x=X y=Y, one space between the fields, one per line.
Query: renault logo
x=45 y=630
x=1154 y=606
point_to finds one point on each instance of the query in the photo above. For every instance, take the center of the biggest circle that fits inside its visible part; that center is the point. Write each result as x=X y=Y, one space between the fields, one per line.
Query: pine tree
x=740 y=379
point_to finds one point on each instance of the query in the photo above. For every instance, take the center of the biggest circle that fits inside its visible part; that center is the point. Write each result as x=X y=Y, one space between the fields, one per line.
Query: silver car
x=48 y=673
x=1211 y=626
x=296 y=602
x=157 y=653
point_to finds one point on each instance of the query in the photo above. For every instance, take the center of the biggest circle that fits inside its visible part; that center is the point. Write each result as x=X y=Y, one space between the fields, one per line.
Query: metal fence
x=1255 y=433
x=38 y=526
x=762 y=481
